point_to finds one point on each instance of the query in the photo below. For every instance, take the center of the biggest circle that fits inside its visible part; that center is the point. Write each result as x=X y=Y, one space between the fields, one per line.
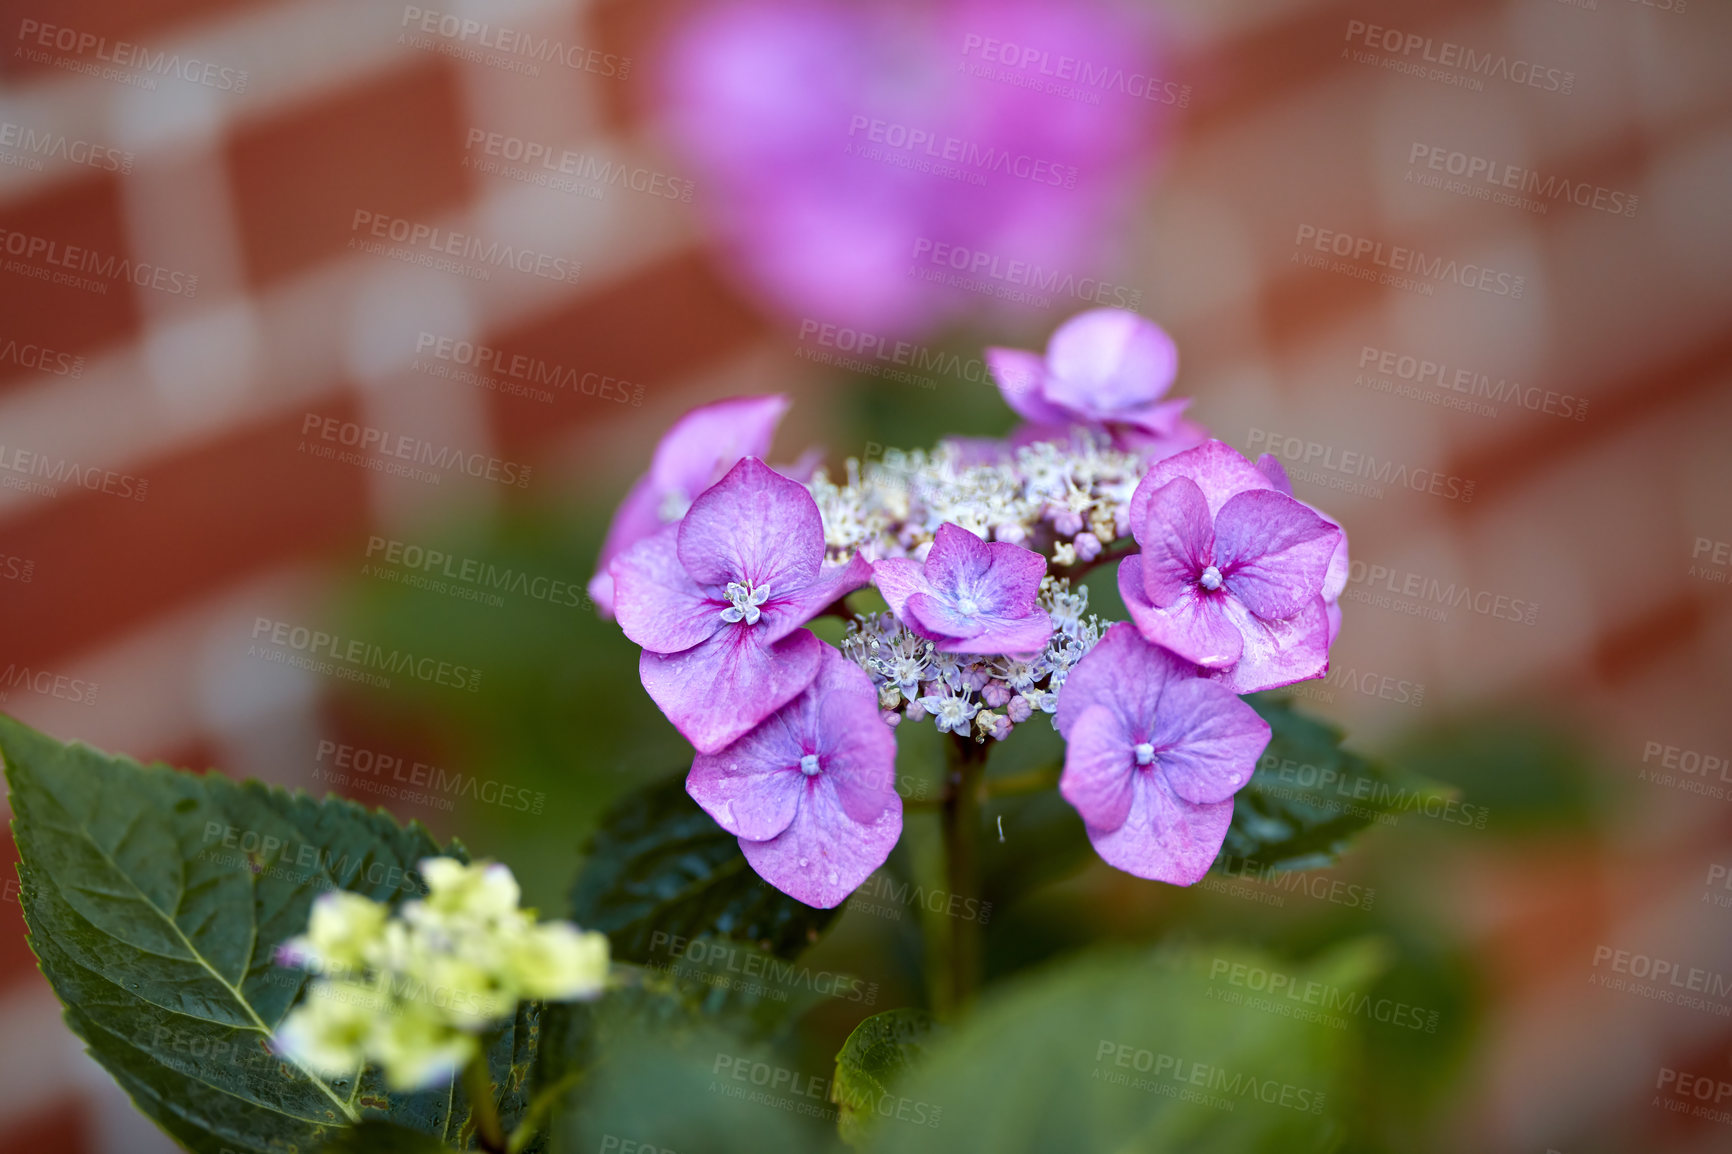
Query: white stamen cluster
x=985 y=695
x=1065 y=500
x=744 y=603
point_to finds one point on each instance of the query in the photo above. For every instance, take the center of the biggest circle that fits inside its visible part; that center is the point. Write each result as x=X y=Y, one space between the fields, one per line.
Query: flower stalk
x=961 y=822
x=483 y=1112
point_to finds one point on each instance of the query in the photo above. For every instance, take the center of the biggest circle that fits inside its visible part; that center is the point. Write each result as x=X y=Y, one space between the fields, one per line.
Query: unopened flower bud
x=1088 y=546
x=1019 y=709
x=1067 y=523
x=995 y=693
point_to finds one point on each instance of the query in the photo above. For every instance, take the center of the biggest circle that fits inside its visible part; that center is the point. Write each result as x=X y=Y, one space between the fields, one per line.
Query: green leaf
x=1309 y=795
x=661 y=872
x=373 y=1137
x=875 y=1056
x=156 y=900
x=1139 y=1051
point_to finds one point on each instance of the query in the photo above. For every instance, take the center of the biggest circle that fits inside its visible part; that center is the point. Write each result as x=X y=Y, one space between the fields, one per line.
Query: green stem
x=1031 y=781
x=541 y=1104
x=483 y=1113
x=961 y=820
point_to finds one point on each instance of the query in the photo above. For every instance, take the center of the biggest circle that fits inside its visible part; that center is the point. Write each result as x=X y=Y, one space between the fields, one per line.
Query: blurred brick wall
x=194 y=398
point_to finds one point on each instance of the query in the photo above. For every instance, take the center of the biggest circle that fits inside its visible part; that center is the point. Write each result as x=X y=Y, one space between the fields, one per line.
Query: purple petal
x=824 y=854
x=658 y=605
x=783 y=614
x=1178 y=539
x=1124 y=673
x=707 y=441
x=636 y=518
x=754 y=786
x=1164 y=838
x=1271 y=467
x=1278 y=653
x=1107 y=360
x=1195 y=627
x=857 y=751
x=753 y=526
x=1099 y=768
x=1020 y=376
x=958 y=561
x=717 y=691
x=1273 y=552
x=1218 y=470
x=1207 y=741
x=957 y=632
x=1157 y=419
x=898 y=579
x=1335 y=580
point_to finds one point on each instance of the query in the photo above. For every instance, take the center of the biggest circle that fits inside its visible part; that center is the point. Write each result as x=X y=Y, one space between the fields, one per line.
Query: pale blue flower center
x=1145 y=753
x=967 y=605
x=1211 y=579
x=743 y=602
x=809 y=764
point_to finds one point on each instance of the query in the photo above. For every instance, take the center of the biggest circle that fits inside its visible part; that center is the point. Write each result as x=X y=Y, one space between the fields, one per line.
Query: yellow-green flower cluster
x=415 y=993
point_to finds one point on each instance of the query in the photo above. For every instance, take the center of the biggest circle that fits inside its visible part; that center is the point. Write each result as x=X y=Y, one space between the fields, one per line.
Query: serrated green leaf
x=659 y=865
x=1309 y=795
x=374 y=1137
x=1135 y=1052
x=873 y=1059
x=155 y=901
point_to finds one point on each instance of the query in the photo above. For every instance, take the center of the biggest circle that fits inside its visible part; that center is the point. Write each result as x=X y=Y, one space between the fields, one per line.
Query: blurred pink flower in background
x=843 y=150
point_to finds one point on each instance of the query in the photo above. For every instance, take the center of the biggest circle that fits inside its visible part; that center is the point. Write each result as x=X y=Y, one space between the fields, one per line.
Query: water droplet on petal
x=832 y=878
x=804 y=863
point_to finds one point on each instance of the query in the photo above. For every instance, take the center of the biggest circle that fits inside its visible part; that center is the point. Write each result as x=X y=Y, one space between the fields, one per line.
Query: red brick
x=392 y=146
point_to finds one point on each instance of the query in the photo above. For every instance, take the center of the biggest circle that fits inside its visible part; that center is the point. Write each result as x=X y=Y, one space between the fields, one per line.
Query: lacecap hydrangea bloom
x=977 y=548
x=416 y=992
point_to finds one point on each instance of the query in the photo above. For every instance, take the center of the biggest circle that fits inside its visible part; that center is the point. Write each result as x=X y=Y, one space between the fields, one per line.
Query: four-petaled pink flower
x=1153 y=757
x=810 y=793
x=1105 y=369
x=691 y=456
x=971 y=596
x=1231 y=570
x=718 y=600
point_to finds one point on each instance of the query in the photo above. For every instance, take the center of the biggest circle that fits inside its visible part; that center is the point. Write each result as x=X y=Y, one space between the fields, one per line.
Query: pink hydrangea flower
x=811 y=794
x=691 y=456
x=1340 y=564
x=1154 y=754
x=970 y=596
x=718 y=600
x=1231 y=572
x=1107 y=370
x=843 y=149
